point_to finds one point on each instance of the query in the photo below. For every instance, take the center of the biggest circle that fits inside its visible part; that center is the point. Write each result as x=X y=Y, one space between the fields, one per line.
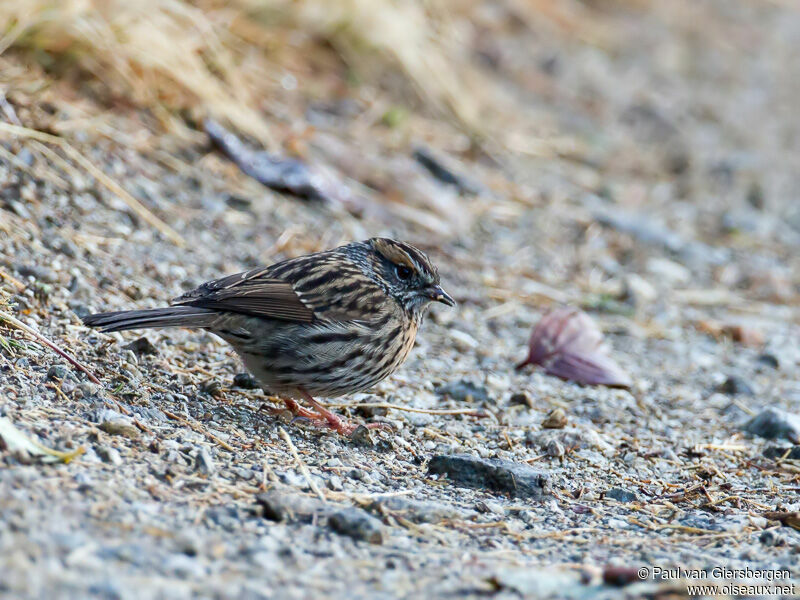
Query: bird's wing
x=255 y=293
x=309 y=289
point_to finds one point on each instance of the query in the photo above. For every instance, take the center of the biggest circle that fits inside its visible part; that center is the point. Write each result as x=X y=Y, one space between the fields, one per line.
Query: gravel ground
x=673 y=221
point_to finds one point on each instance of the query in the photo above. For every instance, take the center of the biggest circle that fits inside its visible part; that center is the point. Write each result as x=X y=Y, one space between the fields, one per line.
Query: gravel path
x=674 y=223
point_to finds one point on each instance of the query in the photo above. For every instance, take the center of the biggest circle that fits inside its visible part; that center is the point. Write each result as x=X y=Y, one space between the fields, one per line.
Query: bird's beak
x=439 y=295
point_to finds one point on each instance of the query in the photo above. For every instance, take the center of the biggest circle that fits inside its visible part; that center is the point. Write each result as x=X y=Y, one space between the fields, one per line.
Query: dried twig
x=303 y=468
x=4 y=316
x=200 y=429
x=12 y=280
x=428 y=411
x=137 y=207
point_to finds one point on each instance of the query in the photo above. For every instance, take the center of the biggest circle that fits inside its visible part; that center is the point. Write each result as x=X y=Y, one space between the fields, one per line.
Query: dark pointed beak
x=437 y=294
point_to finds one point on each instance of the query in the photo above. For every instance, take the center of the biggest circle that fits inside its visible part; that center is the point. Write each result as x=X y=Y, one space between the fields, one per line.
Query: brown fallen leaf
x=569 y=345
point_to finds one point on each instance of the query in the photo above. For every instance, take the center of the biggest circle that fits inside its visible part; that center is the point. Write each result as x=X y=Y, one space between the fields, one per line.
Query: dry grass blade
x=136 y=206
x=165 y=53
x=12 y=280
x=303 y=468
x=14 y=322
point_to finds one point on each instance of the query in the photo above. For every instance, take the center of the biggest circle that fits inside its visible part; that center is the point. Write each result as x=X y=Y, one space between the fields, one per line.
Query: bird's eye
x=403 y=273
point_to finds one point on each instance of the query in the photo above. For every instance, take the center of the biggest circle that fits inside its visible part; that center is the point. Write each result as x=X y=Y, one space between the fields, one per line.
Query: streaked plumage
x=325 y=324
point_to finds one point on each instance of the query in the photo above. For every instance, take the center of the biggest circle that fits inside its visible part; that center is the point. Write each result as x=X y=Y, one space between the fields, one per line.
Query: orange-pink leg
x=332 y=420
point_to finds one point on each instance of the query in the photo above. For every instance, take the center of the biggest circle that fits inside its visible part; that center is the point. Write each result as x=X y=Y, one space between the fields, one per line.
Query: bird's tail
x=172 y=316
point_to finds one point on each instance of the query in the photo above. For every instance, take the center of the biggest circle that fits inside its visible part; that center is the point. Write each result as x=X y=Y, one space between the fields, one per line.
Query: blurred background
x=518 y=128
x=638 y=102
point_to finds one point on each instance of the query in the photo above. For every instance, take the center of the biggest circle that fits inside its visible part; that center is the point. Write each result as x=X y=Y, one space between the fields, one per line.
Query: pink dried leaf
x=568 y=344
x=589 y=369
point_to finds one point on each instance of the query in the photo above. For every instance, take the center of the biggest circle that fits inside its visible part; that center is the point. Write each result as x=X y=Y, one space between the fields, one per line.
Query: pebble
x=38 y=273
x=362 y=437
x=281 y=505
x=120 y=428
x=489 y=506
x=734 y=385
x=769 y=360
x=357 y=524
x=463 y=341
x=773 y=423
x=770 y=537
x=245 y=381
x=516 y=479
x=522 y=398
x=212 y=387
x=141 y=347
x=620 y=495
x=554 y=448
x=555 y=419
x=57 y=372
x=464 y=391
x=204 y=462
x=668 y=271
x=109 y=455
x=416 y=511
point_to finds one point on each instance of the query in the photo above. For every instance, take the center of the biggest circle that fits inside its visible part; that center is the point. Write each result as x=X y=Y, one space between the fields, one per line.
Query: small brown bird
x=324 y=324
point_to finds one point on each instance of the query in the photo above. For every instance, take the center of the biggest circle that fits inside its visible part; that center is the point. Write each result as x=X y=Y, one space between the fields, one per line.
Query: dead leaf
x=568 y=344
x=13 y=440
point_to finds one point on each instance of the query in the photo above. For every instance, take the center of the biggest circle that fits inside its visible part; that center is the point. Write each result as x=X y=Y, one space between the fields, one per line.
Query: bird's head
x=407 y=274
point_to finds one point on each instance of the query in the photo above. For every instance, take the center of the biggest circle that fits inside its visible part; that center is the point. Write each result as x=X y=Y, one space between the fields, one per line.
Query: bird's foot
x=328 y=419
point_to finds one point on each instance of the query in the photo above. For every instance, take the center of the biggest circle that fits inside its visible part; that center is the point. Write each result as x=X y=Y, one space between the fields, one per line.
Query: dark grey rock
x=488 y=506
x=522 y=398
x=464 y=391
x=357 y=524
x=769 y=360
x=620 y=495
x=141 y=347
x=735 y=386
x=516 y=479
x=245 y=381
x=773 y=423
x=57 y=372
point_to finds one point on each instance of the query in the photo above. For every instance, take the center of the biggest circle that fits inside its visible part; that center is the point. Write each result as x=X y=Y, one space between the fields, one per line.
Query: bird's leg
x=334 y=421
x=298 y=411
